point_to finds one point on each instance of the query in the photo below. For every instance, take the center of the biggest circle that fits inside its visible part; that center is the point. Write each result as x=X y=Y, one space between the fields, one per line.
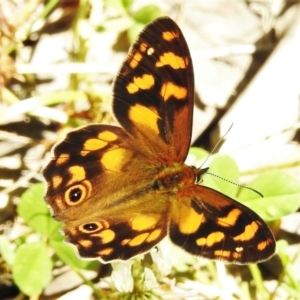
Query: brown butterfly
x=120 y=190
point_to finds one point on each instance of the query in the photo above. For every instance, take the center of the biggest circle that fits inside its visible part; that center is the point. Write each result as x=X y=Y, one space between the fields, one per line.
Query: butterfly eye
x=198 y=178
x=198 y=174
x=78 y=193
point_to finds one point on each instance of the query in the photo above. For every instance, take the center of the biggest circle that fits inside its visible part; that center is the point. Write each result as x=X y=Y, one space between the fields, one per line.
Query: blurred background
x=58 y=59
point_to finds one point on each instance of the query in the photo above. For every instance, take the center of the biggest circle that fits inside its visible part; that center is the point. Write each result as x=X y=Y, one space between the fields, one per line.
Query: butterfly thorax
x=175 y=177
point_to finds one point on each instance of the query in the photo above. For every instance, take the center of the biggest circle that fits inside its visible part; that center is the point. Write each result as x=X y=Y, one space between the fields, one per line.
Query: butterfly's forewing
x=154 y=92
x=207 y=223
x=88 y=163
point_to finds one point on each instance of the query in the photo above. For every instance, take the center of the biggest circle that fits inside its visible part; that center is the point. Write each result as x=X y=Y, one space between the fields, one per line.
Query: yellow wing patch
x=115 y=159
x=145 y=117
x=170 y=89
x=144 y=82
x=172 y=60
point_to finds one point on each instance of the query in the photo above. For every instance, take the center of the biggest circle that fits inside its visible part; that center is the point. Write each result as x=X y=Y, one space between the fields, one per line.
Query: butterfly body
x=120 y=190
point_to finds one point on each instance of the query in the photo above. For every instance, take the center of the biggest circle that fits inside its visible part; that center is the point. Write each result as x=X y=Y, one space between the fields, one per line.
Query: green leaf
x=223 y=175
x=67 y=254
x=142 y=17
x=127 y=4
x=147 y=14
x=32 y=268
x=198 y=152
x=281 y=195
x=134 y=31
x=33 y=209
x=7 y=250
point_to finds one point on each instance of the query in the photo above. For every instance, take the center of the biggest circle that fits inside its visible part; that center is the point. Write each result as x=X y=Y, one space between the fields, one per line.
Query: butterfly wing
x=99 y=181
x=207 y=223
x=120 y=232
x=154 y=92
x=96 y=185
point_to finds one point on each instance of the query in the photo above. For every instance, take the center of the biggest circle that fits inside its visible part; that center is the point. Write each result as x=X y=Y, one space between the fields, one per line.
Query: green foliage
x=32 y=268
x=198 y=153
x=223 y=167
x=32 y=262
x=35 y=212
x=130 y=20
x=281 y=192
x=6 y=250
x=140 y=18
x=281 y=195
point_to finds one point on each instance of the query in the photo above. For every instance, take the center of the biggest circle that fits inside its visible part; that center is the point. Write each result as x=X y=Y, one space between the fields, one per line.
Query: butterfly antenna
x=216 y=145
x=239 y=185
x=229 y=181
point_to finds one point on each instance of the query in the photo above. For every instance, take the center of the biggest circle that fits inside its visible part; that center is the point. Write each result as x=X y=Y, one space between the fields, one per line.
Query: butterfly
x=119 y=190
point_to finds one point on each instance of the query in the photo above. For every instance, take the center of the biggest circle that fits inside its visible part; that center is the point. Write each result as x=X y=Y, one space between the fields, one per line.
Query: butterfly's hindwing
x=209 y=224
x=120 y=237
